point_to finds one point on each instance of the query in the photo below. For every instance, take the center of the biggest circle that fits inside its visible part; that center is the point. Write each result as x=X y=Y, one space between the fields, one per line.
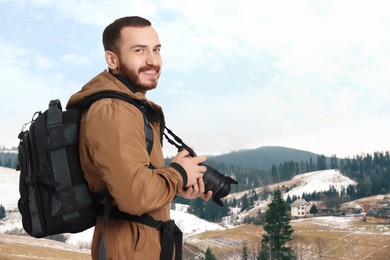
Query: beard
x=135 y=77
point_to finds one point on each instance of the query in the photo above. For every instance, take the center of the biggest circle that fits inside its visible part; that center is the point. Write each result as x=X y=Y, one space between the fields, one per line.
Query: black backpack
x=54 y=196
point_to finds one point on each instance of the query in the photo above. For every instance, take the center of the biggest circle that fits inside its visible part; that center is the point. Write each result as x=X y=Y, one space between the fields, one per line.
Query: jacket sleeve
x=115 y=140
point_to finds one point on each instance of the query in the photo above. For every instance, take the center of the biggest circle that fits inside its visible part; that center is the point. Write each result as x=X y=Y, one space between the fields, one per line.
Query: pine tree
x=245 y=203
x=209 y=255
x=313 y=210
x=278 y=231
x=275 y=173
x=321 y=162
x=244 y=252
x=2 y=211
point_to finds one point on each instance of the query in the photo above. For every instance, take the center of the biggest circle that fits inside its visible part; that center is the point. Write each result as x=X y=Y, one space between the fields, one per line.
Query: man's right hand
x=191 y=166
x=195 y=191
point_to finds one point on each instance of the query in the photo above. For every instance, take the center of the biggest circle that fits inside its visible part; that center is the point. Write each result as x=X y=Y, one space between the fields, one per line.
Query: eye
x=139 y=50
x=158 y=49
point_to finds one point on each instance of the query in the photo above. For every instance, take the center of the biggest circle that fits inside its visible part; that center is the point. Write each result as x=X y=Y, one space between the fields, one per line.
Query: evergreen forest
x=8 y=159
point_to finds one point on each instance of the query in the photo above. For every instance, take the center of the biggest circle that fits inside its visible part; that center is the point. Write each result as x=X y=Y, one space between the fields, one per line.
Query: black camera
x=218 y=183
x=215 y=181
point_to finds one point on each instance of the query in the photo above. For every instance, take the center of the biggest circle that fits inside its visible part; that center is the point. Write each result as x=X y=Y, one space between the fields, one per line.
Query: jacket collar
x=152 y=113
x=124 y=82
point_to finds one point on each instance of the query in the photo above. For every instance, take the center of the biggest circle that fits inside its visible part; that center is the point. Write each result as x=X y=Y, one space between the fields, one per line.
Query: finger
x=196 y=175
x=201 y=185
x=200 y=175
x=194 y=178
x=200 y=159
x=195 y=188
x=207 y=196
x=203 y=169
x=189 y=190
x=184 y=153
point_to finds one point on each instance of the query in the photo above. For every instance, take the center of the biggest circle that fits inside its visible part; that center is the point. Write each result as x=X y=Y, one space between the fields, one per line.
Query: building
x=379 y=215
x=322 y=209
x=351 y=208
x=300 y=208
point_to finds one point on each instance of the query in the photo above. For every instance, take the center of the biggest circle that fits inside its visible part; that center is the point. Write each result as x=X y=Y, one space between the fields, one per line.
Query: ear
x=112 y=60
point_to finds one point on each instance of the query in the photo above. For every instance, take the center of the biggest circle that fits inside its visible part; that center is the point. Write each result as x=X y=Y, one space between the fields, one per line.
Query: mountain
x=263 y=158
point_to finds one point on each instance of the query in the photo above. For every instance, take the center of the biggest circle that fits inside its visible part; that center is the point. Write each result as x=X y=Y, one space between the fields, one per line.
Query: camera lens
x=218 y=183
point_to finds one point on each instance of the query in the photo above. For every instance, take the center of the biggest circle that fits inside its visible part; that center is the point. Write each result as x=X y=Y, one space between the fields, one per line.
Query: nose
x=152 y=58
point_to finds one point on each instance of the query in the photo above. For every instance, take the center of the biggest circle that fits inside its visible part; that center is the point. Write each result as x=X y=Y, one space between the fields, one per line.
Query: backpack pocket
x=35 y=187
x=29 y=204
x=23 y=166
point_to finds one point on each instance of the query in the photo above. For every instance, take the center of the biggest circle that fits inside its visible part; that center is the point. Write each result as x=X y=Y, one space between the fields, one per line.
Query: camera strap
x=177 y=142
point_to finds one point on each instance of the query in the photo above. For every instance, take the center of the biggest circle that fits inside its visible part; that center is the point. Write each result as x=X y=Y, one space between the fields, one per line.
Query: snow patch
x=319 y=181
x=9 y=187
x=191 y=224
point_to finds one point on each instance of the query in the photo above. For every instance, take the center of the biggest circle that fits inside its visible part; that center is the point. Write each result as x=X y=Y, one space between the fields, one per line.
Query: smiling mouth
x=151 y=73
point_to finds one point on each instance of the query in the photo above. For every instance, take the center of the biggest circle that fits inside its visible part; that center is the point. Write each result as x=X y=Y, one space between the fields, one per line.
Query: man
x=113 y=149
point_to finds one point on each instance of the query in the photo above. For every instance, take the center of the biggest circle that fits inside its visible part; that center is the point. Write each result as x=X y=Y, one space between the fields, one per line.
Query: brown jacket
x=113 y=153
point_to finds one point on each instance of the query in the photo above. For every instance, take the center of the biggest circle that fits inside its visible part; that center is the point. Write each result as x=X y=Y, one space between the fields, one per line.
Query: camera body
x=215 y=181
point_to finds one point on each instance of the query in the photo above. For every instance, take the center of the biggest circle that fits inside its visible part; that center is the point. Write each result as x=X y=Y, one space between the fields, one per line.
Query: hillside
x=314 y=238
x=317 y=181
x=307 y=183
x=263 y=158
x=24 y=247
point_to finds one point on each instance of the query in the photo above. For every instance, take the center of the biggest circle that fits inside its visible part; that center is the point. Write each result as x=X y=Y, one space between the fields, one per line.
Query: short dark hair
x=111 y=35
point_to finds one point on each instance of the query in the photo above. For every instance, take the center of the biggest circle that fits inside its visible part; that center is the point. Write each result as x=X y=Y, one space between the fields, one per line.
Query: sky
x=310 y=75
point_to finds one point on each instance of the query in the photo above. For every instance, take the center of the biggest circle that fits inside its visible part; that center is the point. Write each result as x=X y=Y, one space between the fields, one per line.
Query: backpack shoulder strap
x=58 y=156
x=140 y=104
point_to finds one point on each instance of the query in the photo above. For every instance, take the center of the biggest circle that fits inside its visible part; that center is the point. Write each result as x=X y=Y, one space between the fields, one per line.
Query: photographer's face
x=139 y=57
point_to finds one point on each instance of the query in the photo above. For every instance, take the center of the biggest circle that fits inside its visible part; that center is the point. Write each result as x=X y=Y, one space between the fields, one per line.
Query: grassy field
x=23 y=247
x=314 y=238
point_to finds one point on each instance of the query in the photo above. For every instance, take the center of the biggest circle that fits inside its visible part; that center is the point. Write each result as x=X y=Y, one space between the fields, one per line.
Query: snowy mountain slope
x=318 y=181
